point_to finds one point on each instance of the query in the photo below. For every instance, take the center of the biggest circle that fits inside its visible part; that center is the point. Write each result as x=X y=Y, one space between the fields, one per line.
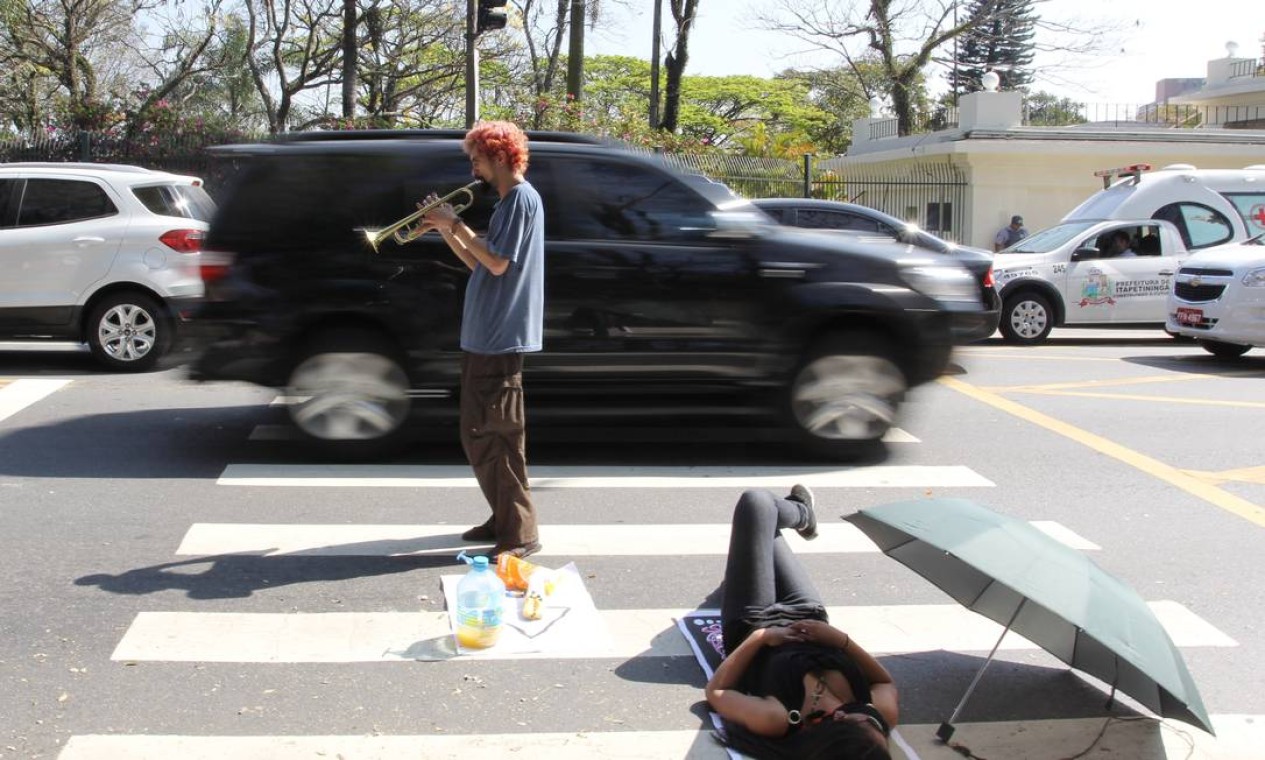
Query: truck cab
x=1103 y=273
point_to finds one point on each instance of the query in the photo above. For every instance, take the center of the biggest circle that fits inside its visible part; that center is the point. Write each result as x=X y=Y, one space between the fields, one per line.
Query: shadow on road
x=199 y=442
x=160 y=443
x=1201 y=363
x=236 y=576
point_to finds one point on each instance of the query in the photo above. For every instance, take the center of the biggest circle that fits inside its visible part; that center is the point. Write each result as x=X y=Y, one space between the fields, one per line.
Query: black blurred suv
x=668 y=298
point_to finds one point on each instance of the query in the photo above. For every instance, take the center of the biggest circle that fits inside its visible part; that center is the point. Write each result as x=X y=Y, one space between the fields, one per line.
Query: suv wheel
x=1026 y=318
x=128 y=332
x=1224 y=350
x=845 y=395
x=351 y=394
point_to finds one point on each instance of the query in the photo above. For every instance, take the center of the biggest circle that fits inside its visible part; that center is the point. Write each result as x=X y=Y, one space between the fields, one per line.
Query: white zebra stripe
x=20 y=394
x=386 y=636
x=362 y=540
x=1239 y=737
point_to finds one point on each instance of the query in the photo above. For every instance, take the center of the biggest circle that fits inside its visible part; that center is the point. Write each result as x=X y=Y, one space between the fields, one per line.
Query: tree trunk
x=575 y=57
x=683 y=12
x=349 y=58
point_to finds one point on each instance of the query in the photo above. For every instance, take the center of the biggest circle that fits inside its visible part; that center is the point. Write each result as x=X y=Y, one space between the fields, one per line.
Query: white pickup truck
x=1103 y=273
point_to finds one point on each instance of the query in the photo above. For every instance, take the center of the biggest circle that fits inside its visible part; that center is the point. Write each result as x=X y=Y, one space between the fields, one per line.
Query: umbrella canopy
x=1050 y=593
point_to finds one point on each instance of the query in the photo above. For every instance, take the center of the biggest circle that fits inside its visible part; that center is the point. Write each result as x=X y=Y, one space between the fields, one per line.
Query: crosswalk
x=379 y=640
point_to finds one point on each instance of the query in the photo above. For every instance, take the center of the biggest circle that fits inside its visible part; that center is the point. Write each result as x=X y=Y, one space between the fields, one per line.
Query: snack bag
x=517 y=573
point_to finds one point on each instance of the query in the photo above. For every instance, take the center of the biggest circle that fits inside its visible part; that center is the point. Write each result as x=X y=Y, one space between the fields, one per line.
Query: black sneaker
x=801 y=494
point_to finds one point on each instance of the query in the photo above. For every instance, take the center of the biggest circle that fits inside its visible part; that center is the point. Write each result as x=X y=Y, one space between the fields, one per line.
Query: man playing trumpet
x=502 y=319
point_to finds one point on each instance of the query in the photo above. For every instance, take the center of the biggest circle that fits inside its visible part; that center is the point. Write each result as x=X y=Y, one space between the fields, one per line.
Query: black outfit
x=766 y=586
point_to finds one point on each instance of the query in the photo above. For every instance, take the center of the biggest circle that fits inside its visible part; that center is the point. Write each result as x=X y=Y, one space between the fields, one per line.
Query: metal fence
x=182 y=154
x=1160 y=115
x=930 y=194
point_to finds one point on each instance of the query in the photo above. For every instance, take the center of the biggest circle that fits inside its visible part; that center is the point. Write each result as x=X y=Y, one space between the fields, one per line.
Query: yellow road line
x=1040 y=357
x=1242 y=475
x=1135 y=397
x=1149 y=465
x=1144 y=380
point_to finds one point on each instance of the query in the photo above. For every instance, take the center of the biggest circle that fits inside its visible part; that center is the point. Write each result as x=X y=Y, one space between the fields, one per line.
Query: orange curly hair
x=499 y=138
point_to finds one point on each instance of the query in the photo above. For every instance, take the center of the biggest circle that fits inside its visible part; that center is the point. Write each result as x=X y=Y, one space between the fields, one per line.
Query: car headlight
x=942 y=283
x=1255 y=278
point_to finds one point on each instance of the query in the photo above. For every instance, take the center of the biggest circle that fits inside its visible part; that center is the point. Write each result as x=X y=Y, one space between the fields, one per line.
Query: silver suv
x=94 y=253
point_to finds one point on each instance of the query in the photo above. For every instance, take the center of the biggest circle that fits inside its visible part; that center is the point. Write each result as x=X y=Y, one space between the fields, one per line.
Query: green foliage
x=1000 y=40
x=1044 y=109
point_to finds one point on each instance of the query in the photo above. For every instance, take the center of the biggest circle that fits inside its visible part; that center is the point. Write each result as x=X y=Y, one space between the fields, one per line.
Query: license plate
x=1190 y=316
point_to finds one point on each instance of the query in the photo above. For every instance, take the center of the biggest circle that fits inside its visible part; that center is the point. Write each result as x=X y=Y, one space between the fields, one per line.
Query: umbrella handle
x=946 y=729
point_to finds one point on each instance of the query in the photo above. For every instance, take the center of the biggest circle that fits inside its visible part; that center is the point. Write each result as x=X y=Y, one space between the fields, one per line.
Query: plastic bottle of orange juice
x=479 y=599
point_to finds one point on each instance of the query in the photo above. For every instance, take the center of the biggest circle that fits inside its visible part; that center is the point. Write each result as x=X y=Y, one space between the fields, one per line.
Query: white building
x=990 y=165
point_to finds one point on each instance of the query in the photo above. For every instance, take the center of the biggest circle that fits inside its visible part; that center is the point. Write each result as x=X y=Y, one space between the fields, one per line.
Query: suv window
x=1199 y=225
x=833 y=220
x=617 y=201
x=304 y=202
x=58 y=201
x=186 y=201
x=9 y=190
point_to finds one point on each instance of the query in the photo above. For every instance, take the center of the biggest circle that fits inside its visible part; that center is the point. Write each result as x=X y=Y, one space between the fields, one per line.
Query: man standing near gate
x=502 y=319
x=1009 y=235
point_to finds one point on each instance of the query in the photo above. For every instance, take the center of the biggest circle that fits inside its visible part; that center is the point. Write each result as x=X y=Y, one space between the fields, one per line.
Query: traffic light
x=491 y=16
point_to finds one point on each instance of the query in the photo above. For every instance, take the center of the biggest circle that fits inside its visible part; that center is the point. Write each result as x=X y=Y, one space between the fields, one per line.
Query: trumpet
x=408 y=229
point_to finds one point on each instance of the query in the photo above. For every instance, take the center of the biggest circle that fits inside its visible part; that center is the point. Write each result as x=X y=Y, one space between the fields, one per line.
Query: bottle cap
x=480 y=563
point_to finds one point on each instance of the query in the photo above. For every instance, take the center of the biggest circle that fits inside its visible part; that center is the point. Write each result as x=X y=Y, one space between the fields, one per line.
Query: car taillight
x=988 y=278
x=183 y=241
x=214 y=265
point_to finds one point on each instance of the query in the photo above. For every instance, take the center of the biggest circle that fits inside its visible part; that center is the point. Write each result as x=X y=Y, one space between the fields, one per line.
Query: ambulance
x=1111 y=261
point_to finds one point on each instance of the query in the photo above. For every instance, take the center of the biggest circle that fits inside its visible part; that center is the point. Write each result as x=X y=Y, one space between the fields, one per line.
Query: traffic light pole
x=472 y=63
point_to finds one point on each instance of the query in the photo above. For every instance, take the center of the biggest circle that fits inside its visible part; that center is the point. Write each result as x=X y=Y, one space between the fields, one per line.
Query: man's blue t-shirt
x=506 y=314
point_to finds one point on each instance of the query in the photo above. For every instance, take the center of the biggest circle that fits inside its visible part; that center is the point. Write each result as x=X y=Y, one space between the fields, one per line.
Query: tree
x=187 y=51
x=1043 y=109
x=66 y=41
x=1000 y=39
x=843 y=94
x=905 y=36
x=683 y=13
x=412 y=62
x=295 y=46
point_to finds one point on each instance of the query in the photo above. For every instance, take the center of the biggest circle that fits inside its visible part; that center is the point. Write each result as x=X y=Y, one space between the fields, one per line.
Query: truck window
x=1251 y=207
x=1048 y=239
x=1200 y=226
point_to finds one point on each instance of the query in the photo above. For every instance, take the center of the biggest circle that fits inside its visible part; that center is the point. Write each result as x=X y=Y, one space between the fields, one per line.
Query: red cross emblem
x=1258 y=214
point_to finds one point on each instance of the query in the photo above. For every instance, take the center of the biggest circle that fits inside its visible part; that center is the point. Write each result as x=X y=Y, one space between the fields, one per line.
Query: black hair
x=829 y=740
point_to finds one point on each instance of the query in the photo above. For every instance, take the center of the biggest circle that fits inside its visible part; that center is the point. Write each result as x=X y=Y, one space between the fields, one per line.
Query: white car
x=1075 y=274
x=96 y=254
x=1218 y=298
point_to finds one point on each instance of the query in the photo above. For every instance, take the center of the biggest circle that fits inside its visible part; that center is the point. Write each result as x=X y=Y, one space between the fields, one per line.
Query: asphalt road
x=181 y=583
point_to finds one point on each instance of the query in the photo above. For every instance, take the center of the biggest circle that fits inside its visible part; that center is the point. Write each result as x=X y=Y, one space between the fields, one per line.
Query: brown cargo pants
x=494 y=436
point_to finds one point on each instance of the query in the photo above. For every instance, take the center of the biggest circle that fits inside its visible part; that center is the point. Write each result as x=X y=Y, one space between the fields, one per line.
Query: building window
x=939 y=217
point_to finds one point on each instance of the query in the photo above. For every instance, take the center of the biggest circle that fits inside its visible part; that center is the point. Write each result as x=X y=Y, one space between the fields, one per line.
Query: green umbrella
x=1046 y=591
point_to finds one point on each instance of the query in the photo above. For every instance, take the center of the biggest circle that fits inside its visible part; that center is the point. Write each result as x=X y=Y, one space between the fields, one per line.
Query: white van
x=1207 y=206
x=1219 y=298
